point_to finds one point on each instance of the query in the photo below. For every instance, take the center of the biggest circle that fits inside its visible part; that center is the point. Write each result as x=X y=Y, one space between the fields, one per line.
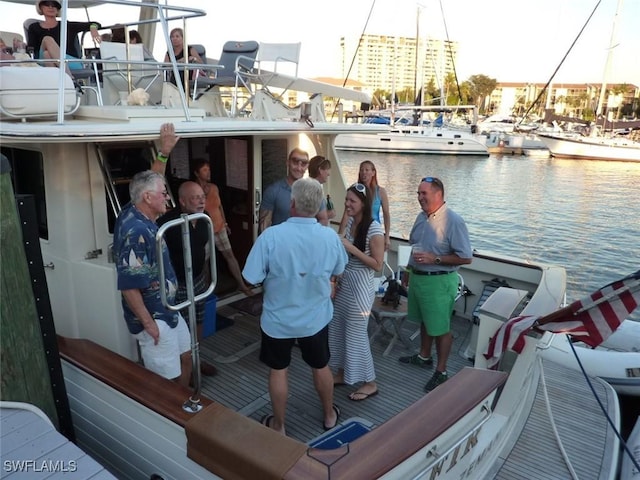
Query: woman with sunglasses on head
x=368 y=176
x=44 y=37
x=348 y=339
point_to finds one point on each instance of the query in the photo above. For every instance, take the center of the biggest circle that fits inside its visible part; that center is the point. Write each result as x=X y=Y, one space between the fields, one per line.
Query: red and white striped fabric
x=591 y=320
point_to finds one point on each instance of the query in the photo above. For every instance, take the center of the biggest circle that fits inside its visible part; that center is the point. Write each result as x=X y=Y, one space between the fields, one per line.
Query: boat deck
x=241 y=384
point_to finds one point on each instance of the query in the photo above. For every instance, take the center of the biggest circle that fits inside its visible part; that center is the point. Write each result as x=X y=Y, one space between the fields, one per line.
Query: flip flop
x=337 y=410
x=266 y=420
x=363 y=395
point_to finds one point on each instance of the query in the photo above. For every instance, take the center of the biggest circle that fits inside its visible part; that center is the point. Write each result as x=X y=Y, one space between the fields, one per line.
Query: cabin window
x=27 y=177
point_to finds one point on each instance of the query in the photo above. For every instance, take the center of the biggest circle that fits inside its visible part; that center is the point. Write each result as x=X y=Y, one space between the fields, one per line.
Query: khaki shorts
x=164 y=358
x=222 y=240
x=430 y=301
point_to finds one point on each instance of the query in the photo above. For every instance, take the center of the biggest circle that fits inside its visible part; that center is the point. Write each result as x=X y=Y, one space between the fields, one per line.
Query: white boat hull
x=588 y=148
x=131 y=440
x=613 y=362
x=431 y=141
x=628 y=470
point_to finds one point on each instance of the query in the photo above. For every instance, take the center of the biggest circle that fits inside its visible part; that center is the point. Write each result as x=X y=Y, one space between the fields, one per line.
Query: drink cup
x=416 y=250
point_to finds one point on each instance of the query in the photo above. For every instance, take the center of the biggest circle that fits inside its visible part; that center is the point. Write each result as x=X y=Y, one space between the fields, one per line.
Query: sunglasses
x=435 y=180
x=50 y=4
x=359 y=187
x=303 y=162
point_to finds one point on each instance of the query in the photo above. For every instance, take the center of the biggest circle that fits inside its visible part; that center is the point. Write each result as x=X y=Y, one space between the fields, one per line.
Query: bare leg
x=425 y=342
x=443 y=347
x=185 y=369
x=338 y=378
x=234 y=267
x=323 y=381
x=278 y=391
x=52 y=51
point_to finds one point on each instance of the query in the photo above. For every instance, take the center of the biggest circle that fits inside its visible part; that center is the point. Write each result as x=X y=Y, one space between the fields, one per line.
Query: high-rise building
x=388 y=63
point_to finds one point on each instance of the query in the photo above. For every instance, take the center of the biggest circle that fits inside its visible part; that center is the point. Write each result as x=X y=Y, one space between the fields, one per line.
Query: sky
x=509 y=40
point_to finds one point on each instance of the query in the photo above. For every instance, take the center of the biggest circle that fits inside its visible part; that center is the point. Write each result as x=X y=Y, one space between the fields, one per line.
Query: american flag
x=591 y=320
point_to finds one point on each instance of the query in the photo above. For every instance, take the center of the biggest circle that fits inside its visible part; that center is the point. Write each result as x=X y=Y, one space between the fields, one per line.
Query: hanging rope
x=544 y=89
x=453 y=64
x=353 y=59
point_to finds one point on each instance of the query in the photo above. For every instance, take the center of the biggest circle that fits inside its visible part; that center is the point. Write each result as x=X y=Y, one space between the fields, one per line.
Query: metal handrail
x=191 y=405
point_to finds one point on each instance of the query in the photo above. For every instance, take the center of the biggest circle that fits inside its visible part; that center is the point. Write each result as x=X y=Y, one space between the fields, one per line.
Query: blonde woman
x=368 y=176
x=177 y=43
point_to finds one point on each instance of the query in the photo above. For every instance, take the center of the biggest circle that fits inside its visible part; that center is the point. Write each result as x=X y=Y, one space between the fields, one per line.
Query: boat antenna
x=544 y=89
x=353 y=59
x=453 y=63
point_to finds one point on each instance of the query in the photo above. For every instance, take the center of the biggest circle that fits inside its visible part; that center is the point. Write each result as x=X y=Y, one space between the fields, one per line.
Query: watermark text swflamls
x=53 y=466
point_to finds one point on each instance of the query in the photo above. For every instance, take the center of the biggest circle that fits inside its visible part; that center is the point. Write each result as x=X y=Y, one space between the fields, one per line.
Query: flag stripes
x=591 y=320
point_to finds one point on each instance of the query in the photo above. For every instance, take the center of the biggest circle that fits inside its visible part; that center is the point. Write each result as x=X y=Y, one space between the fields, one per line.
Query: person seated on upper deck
x=44 y=37
x=117 y=36
x=177 y=43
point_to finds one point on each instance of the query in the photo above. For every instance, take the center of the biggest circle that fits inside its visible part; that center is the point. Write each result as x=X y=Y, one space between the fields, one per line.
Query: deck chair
x=7 y=37
x=236 y=61
x=87 y=78
x=118 y=63
x=273 y=59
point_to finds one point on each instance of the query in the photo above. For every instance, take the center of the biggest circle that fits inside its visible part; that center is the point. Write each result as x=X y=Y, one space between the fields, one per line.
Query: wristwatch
x=437 y=261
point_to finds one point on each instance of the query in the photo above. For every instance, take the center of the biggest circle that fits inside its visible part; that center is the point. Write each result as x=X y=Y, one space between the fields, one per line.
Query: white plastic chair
x=118 y=62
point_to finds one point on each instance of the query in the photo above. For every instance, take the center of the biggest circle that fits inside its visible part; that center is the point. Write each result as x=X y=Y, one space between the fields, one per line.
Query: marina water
x=583 y=215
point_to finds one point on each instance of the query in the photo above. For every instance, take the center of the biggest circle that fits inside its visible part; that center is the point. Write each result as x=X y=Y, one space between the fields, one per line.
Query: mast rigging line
x=453 y=63
x=544 y=89
x=353 y=59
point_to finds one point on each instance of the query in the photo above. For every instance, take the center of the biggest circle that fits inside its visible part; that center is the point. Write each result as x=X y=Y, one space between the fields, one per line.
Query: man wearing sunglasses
x=275 y=207
x=441 y=244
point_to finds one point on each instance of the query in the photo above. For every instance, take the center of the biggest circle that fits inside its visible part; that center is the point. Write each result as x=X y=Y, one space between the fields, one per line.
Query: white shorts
x=164 y=358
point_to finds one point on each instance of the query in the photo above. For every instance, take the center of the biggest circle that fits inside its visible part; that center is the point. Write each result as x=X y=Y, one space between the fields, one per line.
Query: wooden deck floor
x=241 y=384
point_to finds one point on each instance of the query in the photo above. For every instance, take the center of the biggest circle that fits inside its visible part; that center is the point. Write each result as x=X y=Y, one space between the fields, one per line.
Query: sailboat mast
x=607 y=67
x=415 y=75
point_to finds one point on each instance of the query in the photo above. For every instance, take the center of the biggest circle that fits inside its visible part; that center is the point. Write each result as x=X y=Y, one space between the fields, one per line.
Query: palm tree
x=481 y=87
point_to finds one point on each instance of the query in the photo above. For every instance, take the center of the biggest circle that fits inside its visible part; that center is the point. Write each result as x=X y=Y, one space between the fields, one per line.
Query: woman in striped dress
x=348 y=340
x=368 y=176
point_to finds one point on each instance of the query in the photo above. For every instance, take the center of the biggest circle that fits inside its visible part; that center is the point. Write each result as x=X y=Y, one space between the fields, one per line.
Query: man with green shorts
x=440 y=242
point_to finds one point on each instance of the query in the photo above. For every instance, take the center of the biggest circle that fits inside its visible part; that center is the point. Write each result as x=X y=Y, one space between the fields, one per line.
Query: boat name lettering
x=479 y=458
x=452 y=458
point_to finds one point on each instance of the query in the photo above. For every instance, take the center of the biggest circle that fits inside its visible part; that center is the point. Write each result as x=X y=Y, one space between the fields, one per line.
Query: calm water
x=583 y=215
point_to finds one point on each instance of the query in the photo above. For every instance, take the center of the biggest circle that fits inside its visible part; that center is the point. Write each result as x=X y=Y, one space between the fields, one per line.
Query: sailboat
x=435 y=138
x=597 y=146
x=412 y=133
